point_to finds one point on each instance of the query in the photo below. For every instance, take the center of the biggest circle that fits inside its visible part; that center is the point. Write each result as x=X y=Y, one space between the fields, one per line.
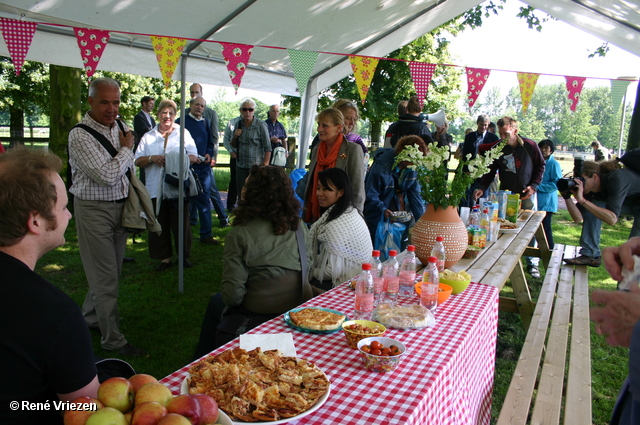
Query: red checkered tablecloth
x=446 y=377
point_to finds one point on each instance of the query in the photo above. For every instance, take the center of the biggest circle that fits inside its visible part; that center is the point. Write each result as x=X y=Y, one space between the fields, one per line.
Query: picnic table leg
x=522 y=294
x=545 y=253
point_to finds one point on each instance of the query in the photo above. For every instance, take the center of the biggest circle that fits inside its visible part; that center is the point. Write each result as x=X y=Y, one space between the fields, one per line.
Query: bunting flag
x=91 y=44
x=618 y=90
x=476 y=79
x=363 y=69
x=168 y=51
x=421 y=74
x=527 y=83
x=574 y=86
x=236 y=56
x=18 y=36
x=302 y=63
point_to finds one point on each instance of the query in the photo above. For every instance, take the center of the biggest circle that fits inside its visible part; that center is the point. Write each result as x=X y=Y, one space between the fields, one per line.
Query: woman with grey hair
x=247 y=140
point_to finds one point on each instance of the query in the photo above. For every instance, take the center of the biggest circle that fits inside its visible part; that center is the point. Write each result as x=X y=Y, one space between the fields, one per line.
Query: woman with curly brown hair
x=261 y=267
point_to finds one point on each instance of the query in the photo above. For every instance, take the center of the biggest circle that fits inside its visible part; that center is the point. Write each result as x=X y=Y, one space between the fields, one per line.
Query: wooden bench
x=552 y=373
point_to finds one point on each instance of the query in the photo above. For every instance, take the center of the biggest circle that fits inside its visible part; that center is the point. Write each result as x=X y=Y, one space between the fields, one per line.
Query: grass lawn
x=165 y=322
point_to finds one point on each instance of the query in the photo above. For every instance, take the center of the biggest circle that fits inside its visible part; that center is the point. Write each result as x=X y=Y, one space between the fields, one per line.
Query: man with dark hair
x=45 y=347
x=402 y=110
x=100 y=187
x=143 y=122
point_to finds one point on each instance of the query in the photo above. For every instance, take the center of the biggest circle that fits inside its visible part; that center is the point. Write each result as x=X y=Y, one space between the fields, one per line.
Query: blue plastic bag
x=388 y=237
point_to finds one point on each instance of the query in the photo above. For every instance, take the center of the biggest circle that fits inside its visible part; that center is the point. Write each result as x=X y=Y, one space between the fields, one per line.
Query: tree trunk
x=376 y=130
x=633 y=141
x=16 y=126
x=65 y=110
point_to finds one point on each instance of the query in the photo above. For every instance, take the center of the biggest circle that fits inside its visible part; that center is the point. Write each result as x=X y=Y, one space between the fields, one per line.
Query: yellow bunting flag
x=168 y=51
x=363 y=69
x=527 y=84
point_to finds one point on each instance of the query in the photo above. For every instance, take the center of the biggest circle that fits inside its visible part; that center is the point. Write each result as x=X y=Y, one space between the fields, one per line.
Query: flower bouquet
x=431 y=171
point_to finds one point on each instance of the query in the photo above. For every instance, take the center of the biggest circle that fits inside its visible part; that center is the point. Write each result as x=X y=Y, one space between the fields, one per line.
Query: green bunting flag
x=302 y=62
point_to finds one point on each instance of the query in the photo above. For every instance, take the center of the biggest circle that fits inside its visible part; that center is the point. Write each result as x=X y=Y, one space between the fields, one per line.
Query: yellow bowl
x=457 y=285
x=444 y=291
x=354 y=336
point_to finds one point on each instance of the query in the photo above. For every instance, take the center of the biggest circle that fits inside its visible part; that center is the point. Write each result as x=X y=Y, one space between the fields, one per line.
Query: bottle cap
x=366 y=266
x=433 y=259
x=393 y=253
x=486 y=210
x=375 y=253
x=411 y=248
x=439 y=238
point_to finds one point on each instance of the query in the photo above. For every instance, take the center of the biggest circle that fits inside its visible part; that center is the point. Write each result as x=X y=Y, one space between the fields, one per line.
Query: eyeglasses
x=246 y=109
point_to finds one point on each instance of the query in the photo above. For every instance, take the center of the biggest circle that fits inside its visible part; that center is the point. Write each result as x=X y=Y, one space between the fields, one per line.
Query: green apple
x=79 y=417
x=153 y=391
x=173 y=419
x=107 y=416
x=117 y=393
x=148 y=413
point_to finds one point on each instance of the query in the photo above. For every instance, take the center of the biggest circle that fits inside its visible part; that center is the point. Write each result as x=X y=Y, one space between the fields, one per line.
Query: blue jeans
x=202 y=203
x=591 y=227
x=216 y=201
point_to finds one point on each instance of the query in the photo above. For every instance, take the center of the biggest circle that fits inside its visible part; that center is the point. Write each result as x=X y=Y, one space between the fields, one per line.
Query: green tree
x=576 y=130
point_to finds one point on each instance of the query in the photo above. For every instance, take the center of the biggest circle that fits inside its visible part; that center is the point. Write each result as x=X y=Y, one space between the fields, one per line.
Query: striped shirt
x=96 y=175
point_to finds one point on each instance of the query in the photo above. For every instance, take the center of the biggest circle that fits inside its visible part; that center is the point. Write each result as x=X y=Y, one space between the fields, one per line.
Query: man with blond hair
x=45 y=347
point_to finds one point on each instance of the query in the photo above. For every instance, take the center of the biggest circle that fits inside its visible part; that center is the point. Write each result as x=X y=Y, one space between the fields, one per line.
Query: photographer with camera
x=602 y=190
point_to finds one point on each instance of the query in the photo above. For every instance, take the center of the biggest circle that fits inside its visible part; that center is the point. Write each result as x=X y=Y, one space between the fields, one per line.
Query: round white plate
x=184 y=389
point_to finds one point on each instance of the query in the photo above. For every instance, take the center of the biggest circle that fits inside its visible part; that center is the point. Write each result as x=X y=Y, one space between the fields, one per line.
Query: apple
x=209 y=408
x=148 y=413
x=128 y=416
x=173 y=419
x=153 y=391
x=187 y=406
x=117 y=393
x=79 y=417
x=140 y=379
x=107 y=416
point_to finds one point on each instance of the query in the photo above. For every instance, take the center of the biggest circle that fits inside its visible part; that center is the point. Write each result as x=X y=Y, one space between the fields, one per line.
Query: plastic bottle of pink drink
x=364 y=294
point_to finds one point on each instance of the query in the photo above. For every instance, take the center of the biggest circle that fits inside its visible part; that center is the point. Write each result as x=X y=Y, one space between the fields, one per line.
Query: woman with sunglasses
x=247 y=140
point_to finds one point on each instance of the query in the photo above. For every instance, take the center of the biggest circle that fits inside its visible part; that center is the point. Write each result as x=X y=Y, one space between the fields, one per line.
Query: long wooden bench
x=554 y=368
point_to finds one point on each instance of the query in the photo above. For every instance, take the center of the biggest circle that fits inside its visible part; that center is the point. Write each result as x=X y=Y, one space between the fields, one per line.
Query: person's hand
x=237 y=132
x=234 y=155
x=477 y=194
x=127 y=140
x=388 y=214
x=619 y=315
x=621 y=256
x=275 y=140
x=158 y=160
x=212 y=163
x=206 y=160
x=528 y=192
x=578 y=191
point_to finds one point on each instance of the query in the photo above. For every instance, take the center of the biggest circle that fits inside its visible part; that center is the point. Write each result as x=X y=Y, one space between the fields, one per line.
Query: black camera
x=567 y=184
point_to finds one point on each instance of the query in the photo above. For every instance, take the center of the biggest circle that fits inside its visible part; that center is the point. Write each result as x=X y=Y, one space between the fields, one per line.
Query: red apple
x=140 y=379
x=79 y=417
x=187 y=406
x=173 y=419
x=117 y=393
x=148 y=413
x=153 y=391
x=107 y=416
x=209 y=408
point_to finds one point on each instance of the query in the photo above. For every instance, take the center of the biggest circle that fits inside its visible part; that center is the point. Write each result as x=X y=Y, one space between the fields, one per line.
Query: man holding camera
x=602 y=190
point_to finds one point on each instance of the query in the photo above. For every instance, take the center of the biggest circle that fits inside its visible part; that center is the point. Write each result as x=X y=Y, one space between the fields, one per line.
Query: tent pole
x=308 y=106
x=181 y=212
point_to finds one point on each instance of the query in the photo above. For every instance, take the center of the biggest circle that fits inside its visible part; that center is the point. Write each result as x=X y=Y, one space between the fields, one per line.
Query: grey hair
x=483 y=118
x=102 y=81
x=248 y=100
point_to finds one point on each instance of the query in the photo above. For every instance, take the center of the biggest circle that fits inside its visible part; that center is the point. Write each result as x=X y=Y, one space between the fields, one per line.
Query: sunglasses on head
x=246 y=109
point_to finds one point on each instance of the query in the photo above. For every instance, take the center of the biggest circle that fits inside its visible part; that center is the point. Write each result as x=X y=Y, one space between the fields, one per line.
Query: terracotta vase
x=440 y=222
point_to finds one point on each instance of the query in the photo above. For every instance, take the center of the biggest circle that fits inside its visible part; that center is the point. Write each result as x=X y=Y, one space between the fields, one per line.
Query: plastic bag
x=388 y=236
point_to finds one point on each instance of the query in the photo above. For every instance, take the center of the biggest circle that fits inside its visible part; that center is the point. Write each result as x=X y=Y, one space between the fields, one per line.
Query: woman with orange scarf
x=333 y=151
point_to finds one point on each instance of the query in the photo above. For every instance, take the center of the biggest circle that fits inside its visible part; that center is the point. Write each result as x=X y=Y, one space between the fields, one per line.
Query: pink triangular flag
x=236 y=56
x=17 y=35
x=476 y=79
x=574 y=86
x=421 y=74
x=91 y=44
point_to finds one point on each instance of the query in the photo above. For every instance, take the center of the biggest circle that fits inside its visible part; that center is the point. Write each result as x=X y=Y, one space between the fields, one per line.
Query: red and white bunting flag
x=91 y=44
x=421 y=74
x=236 y=56
x=17 y=35
x=574 y=86
x=476 y=80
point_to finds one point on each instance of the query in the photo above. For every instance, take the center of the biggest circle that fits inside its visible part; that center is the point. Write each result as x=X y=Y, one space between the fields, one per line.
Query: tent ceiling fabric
x=364 y=27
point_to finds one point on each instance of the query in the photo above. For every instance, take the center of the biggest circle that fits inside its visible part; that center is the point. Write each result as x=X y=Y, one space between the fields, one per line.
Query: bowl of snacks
x=444 y=291
x=381 y=354
x=471 y=252
x=458 y=281
x=356 y=330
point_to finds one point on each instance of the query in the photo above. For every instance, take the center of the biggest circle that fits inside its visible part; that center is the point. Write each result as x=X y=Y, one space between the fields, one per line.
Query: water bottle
x=391 y=279
x=430 y=285
x=439 y=253
x=376 y=274
x=407 y=273
x=474 y=217
x=364 y=294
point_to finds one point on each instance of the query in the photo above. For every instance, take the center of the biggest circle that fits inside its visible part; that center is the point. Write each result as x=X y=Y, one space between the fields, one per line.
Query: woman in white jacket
x=340 y=238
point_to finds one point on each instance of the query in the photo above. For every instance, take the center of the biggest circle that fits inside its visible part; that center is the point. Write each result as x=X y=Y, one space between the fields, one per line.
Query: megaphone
x=437 y=118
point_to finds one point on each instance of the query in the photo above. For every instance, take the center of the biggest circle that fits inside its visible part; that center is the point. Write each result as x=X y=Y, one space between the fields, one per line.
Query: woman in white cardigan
x=340 y=238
